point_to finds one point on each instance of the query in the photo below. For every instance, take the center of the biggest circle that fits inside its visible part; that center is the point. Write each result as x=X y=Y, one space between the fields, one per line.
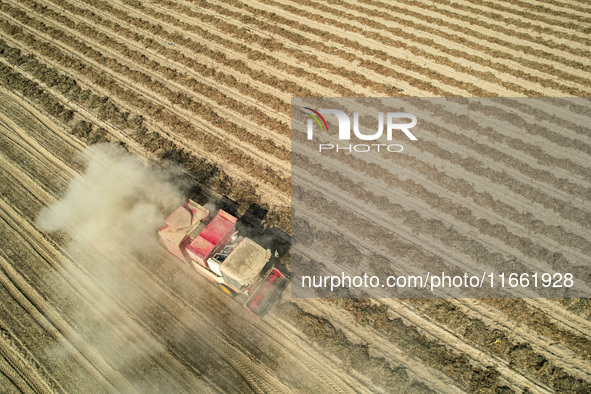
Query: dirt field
x=207 y=85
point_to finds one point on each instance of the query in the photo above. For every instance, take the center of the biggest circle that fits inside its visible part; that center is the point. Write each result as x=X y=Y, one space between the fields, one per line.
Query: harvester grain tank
x=215 y=250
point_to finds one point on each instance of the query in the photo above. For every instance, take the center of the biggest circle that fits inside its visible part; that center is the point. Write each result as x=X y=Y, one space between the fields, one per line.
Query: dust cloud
x=110 y=216
x=117 y=204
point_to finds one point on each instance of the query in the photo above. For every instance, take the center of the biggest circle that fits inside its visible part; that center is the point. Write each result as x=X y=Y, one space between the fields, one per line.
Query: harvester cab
x=215 y=250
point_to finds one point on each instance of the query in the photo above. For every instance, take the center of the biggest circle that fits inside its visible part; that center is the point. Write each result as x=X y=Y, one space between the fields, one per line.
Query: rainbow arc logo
x=316 y=116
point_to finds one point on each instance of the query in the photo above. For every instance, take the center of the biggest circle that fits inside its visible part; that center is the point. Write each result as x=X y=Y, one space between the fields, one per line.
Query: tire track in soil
x=271 y=327
x=19 y=385
x=47 y=317
x=118 y=317
x=27 y=372
x=247 y=371
x=77 y=279
x=18 y=347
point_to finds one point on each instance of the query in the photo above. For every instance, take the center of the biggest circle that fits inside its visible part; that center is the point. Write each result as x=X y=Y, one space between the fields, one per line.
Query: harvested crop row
x=558 y=332
x=475 y=166
x=478 y=321
x=244 y=43
x=253 y=48
x=558 y=120
x=515 y=354
x=576 y=5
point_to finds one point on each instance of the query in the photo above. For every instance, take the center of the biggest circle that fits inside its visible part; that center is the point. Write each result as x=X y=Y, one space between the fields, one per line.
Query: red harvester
x=216 y=251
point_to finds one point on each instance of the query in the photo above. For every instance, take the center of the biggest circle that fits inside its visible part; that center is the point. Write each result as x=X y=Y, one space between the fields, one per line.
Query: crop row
x=500 y=24
x=473 y=165
x=305 y=57
x=145 y=35
x=529 y=24
x=142 y=105
x=453 y=315
x=464 y=188
x=436 y=228
x=449 y=52
x=557 y=117
x=490 y=149
x=541 y=14
x=179 y=36
x=477 y=334
x=201 y=169
x=554 y=71
x=539 y=320
x=552 y=136
x=353 y=356
x=266 y=145
x=471 y=330
x=295 y=38
x=544 y=175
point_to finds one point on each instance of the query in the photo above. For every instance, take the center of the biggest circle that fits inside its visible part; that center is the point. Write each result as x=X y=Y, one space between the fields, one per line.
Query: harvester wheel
x=227 y=290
